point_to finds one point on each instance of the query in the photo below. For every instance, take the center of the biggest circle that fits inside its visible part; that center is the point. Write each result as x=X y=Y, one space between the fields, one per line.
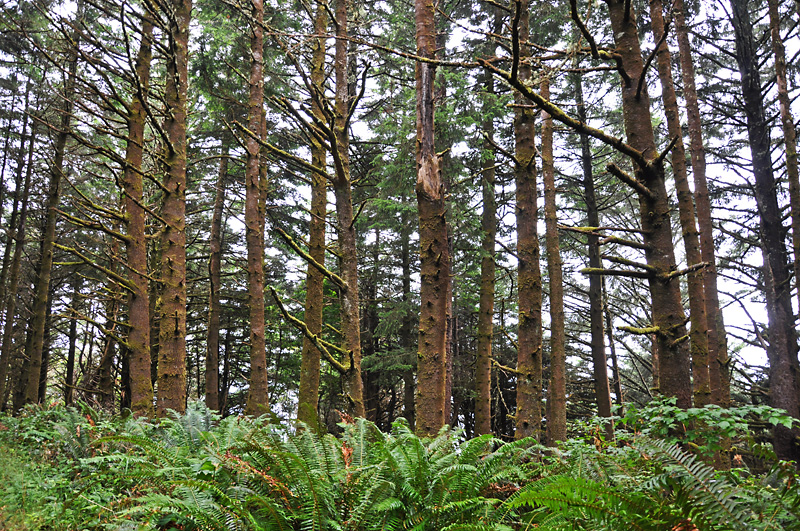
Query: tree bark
x=654 y=206
x=69 y=379
x=308 y=400
x=782 y=348
x=136 y=243
x=345 y=223
x=557 y=388
x=602 y=390
x=717 y=343
x=529 y=277
x=698 y=340
x=257 y=396
x=483 y=356
x=434 y=253
x=789 y=134
x=13 y=281
x=45 y=268
x=172 y=310
x=215 y=285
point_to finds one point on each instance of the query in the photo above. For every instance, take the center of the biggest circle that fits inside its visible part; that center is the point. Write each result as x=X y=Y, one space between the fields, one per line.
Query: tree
x=434 y=252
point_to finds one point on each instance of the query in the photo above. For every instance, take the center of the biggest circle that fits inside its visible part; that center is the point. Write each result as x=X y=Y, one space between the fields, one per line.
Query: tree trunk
x=141 y=397
x=789 y=134
x=172 y=310
x=529 y=277
x=9 y=302
x=557 y=388
x=602 y=390
x=69 y=379
x=257 y=396
x=698 y=340
x=345 y=224
x=407 y=326
x=434 y=257
x=308 y=400
x=717 y=342
x=483 y=356
x=782 y=348
x=654 y=207
x=215 y=285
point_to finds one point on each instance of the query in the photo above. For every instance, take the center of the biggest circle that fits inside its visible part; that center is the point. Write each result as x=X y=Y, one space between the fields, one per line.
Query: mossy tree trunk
x=172 y=300
x=529 y=277
x=434 y=252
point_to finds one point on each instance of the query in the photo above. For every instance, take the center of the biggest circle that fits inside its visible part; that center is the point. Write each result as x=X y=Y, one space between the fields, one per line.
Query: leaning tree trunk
x=308 y=399
x=789 y=134
x=529 y=341
x=48 y=236
x=434 y=253
x=782 y=348
x=172 y=309
x=141 y=397
x=698 y=340
x=257 y=396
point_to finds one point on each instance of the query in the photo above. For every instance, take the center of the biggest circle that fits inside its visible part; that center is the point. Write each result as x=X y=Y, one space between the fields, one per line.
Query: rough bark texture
x=308 y=399
x=48 y=235
x=172 y=303
x=789 y=133
x=654 y=206
x=141 y=397
x=10 y=303
x=557 y=388
x=602 y=389
x=215 y=284
x=717 y=342
x=434 y=253
x=345 y=226
x=483 y=356
x=407 y=327
x=529 y=341
x=257 y=396
x=782 y=348
x=69 y=378
x=698 y=340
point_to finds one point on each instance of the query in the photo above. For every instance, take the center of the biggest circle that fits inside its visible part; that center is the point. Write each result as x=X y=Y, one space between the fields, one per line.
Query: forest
x=300 y=264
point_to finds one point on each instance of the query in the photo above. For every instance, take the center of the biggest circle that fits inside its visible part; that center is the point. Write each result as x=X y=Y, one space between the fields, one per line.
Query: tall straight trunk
x=48 y=343
x=48 y=236
x=602 y=389
x=434 y=252
x=529 y=276
x=654 y=210
x=407 y=326
x=10 y=304
x=257 y=397
x=214 y=304
x=345 y=222
x=141 y=396
x=172 y=310
x=69 y=378
x=789 y=133
x=21 y=155
x=483 y=356
x=612 y=350
x=557 y=388
x=718 y=367
x=782 y=348
x=698 y=340
x=308 y=400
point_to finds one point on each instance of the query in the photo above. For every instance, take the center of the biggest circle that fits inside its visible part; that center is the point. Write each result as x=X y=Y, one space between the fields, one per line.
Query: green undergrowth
x=74 y=469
